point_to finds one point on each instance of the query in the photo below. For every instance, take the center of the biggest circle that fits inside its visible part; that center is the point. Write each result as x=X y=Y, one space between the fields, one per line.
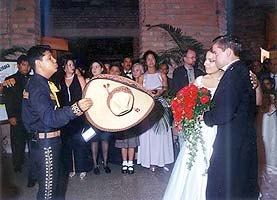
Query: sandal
x=82 y=175
x=131 y=170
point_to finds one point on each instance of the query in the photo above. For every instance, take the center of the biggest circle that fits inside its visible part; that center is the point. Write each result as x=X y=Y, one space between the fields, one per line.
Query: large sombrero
x=118 y=103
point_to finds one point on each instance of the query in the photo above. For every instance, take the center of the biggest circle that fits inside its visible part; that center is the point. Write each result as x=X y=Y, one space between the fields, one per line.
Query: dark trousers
x=46 y=155
x=19 y=139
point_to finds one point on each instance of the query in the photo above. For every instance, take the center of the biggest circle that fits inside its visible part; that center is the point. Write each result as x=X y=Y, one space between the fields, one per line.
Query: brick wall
x=106 y=19
x=271 y=25
x=201 y=19
x=19 y=23
x=249 y=25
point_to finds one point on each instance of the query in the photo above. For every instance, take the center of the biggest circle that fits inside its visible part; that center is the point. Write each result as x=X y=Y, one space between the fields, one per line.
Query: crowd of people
x=52 y=124
x=267 y=117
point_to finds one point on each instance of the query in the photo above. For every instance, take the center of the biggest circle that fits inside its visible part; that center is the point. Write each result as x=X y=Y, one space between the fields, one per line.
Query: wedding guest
x=107 y=66
x=187 y=73
x=164 y=68
x=256 y=67
x=128 y=140
x=97 y=68
x=75 y=150
x=115 y=69
x=137 y=71
x=269 y=127
x=125 y=140
x=265 y=71
x=13 y=89
x=127 y=67
x=114 y=153
x=156 y=147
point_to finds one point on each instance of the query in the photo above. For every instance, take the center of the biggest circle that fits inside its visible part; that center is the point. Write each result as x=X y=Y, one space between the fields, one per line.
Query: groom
x=233 y=166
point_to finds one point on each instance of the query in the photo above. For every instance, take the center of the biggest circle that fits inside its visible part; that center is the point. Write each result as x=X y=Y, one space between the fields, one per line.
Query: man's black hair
x=228 y=41
x=36 y=53
x=21 y=59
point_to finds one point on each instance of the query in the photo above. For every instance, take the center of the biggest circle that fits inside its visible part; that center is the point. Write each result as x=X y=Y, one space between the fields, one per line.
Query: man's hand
x=85 y=104
x=13 y=121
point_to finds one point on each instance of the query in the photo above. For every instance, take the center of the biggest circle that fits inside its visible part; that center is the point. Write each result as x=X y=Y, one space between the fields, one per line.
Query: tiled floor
x=269 y=187
x=143 y=185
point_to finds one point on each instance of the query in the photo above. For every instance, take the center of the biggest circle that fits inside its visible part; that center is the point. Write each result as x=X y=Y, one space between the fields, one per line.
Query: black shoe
x=107 y=169
x=31 y=183
x=124 y=169
x=131 y=170
x=96 y=171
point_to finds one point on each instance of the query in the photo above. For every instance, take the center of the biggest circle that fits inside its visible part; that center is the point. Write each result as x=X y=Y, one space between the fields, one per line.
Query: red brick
x=193 y=17
x=21 y=21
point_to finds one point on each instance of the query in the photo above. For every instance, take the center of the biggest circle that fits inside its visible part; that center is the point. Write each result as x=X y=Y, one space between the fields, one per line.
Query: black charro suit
x=180 y=78
x=232 y=173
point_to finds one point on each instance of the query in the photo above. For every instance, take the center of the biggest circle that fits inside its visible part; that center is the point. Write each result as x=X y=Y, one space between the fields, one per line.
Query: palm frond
x=4 y=53
x=168 y=55
x=182 y=41
x=162 y=119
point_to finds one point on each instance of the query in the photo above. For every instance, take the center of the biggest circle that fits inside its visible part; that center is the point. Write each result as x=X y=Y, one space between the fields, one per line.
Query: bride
x=191 y=184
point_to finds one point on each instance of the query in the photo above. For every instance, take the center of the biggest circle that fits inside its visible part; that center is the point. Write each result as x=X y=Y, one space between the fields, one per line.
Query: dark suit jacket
x=180 y=78
x=14 y=95
x=233 y=166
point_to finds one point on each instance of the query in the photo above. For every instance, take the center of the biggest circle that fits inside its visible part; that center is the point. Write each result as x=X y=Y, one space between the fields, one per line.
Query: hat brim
x=100 y=116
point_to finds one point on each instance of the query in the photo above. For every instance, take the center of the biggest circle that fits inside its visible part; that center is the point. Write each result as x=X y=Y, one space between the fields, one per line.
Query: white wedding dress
x=185 y=184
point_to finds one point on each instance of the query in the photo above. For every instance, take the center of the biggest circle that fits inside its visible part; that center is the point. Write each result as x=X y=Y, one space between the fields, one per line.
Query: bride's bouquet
x=189 y=103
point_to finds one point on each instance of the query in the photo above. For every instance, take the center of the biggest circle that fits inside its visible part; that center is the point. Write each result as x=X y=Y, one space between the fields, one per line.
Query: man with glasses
x=185 y=74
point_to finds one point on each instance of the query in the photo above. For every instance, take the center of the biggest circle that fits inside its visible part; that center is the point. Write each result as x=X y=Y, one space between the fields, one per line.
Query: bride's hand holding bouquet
x=189 y=103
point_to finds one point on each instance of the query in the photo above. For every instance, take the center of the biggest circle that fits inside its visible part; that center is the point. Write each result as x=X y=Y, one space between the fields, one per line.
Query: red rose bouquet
x=189 y=103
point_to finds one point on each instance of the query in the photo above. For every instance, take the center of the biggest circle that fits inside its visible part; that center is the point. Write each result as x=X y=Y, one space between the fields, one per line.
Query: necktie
x=190 y=75
x=274 y=80
x=54 y=90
